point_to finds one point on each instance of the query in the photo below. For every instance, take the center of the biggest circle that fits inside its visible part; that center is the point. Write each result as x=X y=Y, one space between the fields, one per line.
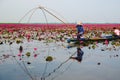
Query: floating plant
x=49 y=58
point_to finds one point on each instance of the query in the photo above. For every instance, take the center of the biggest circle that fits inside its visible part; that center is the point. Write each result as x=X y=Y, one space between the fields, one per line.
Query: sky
x=87 y=11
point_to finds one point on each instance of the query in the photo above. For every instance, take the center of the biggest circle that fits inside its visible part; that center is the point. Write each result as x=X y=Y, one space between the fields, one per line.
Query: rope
x=26 y=15
x=24 y=69
x=31 y=15
x=62 y=71
x=60 y=65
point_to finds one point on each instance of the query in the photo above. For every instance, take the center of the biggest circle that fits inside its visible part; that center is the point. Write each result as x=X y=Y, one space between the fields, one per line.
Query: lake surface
x=95 y=64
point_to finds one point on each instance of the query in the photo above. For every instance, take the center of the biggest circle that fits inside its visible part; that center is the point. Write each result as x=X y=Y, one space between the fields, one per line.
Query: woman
x=80 y=30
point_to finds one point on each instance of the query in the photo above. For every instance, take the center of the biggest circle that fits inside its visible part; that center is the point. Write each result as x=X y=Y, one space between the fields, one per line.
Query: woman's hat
x=79 y=23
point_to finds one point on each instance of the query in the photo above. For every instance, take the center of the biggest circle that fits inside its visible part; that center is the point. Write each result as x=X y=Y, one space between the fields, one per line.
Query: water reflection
x=79 y=56
x=30 y=68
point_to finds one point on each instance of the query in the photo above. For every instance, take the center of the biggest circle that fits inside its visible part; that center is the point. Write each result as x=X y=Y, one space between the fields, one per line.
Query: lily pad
x=28 y=54
x=49 y=58
x=18 y=41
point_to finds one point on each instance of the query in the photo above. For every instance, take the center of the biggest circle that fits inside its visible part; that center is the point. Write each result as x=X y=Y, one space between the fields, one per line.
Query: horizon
x=59 y=23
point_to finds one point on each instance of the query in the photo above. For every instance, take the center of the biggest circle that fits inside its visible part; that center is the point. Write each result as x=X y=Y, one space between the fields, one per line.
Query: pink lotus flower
x=106 y=42
x=35 y=49
x=81 y=41
x=96 y=43
x=35 y=55
x=20 y=54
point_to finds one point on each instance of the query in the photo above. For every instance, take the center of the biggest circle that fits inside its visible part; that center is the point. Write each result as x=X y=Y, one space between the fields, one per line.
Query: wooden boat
x=87 y=41
x=109 y=38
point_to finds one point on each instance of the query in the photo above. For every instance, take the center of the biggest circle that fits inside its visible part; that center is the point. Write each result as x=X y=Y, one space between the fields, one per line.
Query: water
x=95 y=64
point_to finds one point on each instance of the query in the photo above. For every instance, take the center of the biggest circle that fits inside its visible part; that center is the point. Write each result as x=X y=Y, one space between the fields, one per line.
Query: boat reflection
x=79 y=56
